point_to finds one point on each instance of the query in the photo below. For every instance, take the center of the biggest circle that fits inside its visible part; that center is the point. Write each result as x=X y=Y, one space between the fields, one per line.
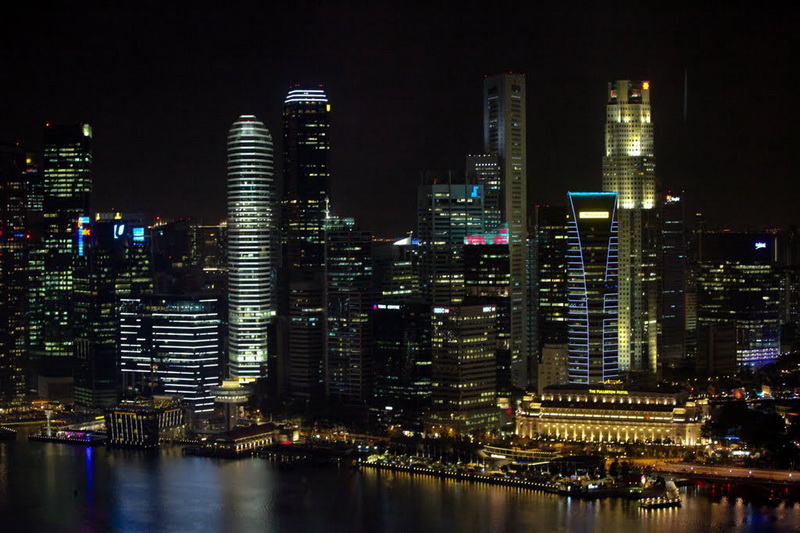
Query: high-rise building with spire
x=504 y=134
x=629 y=170
x=251 y=247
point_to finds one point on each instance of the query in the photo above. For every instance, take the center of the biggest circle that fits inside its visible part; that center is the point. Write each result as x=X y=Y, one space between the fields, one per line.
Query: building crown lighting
x=306 y=95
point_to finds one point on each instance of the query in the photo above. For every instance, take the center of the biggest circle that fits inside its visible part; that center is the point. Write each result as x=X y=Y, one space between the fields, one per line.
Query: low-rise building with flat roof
x=244 y=440
x=144 y=424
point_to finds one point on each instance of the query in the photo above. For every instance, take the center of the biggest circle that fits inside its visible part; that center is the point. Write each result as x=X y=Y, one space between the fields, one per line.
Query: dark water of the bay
x=53 y=487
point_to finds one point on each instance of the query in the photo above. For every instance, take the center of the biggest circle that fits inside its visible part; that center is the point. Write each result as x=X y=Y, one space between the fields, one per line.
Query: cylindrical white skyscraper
x=251 y=247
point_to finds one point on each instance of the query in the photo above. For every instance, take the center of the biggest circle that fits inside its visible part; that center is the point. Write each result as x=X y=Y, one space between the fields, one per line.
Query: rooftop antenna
x=685 y=94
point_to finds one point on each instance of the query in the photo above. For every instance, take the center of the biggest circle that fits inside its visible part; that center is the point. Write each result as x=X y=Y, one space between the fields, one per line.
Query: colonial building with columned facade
x=598 y=413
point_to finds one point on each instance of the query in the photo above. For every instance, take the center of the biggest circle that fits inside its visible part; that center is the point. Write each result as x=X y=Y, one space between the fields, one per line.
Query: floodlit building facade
x=595 y=413
x=629 y=169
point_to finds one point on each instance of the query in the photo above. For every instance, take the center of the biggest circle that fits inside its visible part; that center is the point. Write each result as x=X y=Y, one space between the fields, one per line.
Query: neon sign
x=593 y=214
x=82 y=232
x=138 y=234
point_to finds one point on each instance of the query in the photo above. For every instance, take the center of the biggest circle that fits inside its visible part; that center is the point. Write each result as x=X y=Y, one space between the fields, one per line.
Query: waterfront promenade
x=729 y=473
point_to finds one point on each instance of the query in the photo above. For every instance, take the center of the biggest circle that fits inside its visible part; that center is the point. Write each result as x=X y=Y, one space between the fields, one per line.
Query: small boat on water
x=671 y=498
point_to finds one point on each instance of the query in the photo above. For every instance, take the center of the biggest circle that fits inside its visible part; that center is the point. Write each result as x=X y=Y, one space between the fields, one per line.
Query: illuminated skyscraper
x=67 y=172
x=550 y=294
x=464 y=348
x=592 y=287
x=486 y=280
x=306 y=176
x=251 y=247
x=171 y=345
x=15 y=188
x=629 y=170
x=447 y=213
x=305 y=334
x=306 y=191
x=672 y=256
x=504 y=134
x=401 y=351
x=113 y=262
x=484 y=170
x=349 y=296
x=739 y=297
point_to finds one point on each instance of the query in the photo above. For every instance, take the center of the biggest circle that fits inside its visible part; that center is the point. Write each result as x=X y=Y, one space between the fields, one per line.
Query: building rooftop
x=245 y=432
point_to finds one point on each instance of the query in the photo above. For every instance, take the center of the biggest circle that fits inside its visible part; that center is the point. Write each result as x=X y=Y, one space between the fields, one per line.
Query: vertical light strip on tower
x=251 y=228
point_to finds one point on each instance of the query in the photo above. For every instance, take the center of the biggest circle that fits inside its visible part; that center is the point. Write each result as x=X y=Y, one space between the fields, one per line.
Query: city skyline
x=553 y=251
x=404 y=101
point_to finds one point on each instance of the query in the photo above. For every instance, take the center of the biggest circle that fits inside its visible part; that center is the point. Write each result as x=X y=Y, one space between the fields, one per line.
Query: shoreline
x=561 y=489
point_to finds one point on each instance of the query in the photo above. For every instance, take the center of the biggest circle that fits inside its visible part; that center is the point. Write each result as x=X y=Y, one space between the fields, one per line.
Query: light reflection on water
x=46 y=487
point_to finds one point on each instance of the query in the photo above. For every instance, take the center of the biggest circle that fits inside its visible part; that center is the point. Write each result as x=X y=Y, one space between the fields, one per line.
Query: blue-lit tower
x=592 y=287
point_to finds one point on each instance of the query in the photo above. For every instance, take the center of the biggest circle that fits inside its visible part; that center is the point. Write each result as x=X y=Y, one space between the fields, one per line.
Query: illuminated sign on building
x=119 y=230
x=138 y=234
x=82 y=232
x=604 y=391
x=501 y=237
x=593 y=214
x=441 y=310
x=761 y=245
x=476 y=191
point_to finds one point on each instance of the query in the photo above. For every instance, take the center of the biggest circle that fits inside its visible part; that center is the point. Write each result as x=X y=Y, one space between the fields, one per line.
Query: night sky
x=162 y=85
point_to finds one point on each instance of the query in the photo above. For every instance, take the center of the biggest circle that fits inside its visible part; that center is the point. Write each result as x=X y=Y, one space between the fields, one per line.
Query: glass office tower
x=592 y=287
